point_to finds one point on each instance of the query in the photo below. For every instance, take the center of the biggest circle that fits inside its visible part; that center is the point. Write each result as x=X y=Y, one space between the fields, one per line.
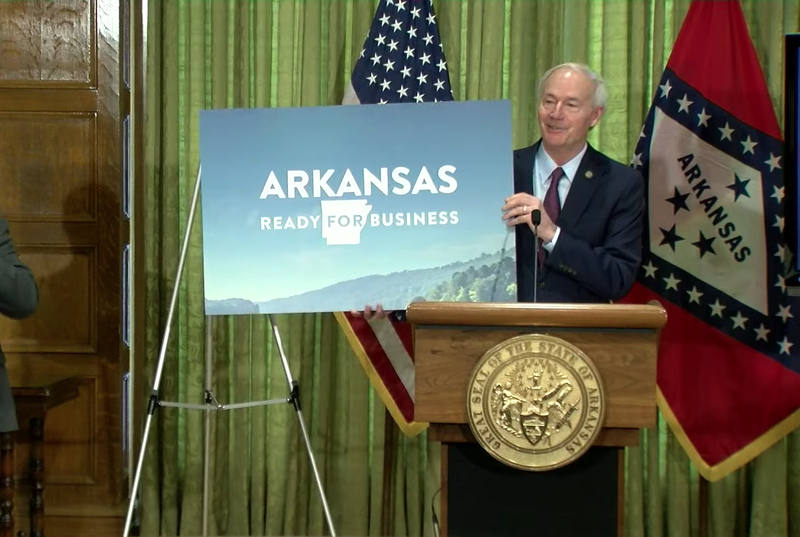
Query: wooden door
x=62 y=107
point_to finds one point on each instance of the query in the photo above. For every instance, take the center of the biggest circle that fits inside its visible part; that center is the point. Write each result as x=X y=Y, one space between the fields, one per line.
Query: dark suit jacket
x=599 y=249
x=19 y=297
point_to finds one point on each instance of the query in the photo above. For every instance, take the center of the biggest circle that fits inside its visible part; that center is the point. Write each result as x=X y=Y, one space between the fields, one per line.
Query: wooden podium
x=485 y=497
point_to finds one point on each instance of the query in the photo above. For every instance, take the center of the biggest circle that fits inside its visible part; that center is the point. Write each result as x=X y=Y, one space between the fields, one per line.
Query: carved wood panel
x=50 y=41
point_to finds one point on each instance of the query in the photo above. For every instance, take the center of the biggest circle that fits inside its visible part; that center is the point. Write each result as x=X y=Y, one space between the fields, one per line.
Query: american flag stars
x=402 y=59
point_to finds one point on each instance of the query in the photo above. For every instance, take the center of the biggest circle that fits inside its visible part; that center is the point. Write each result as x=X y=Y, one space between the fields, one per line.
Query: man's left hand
x=517 y=210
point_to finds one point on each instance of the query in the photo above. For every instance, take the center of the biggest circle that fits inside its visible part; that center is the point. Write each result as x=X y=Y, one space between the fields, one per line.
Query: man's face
x=566 y=112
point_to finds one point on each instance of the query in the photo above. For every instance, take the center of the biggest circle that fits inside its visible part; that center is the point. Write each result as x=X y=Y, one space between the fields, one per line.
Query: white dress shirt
x=543 y=166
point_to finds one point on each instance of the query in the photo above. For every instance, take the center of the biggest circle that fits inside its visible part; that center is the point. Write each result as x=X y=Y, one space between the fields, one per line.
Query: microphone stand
x=434 y=518
x=536 y=219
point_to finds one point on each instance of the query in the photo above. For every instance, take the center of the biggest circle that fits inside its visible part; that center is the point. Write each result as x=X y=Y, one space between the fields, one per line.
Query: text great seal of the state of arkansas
x=535 y=402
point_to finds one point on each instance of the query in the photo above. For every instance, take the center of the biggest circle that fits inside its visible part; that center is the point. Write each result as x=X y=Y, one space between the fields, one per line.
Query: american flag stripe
x=381 y=372
x=405 y=334
x=397 y=353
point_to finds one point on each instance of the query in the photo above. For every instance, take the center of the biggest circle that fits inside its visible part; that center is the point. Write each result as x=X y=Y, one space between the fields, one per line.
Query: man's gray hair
x=600 y=94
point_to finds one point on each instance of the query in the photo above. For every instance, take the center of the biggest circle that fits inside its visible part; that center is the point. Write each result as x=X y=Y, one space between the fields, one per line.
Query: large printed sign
x=321 y=209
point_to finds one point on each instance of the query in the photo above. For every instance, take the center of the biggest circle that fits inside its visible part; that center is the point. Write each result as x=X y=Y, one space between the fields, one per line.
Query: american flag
x=402 y=61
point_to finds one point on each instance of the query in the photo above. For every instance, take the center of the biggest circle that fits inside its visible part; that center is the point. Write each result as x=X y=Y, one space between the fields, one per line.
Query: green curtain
x=260 y=53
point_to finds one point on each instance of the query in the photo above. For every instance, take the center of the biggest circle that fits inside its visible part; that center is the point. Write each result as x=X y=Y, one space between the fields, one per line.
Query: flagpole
x=388 y=482
x=702 y=506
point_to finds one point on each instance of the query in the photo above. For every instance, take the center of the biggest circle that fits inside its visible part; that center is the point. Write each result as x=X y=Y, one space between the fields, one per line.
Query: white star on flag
x=785 y=313
x=781 y=283
x=694 y=295
x=739 y=320
x=762 y=332
x=716 y=308
x=684 y=104
x=665 y=89
x=773 y=162
x=748 y=146
x=726 y=132
x=702 y=118
x=671 y=282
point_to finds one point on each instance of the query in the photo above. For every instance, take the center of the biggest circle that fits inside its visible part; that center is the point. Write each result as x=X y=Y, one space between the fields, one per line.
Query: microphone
x=536 y=219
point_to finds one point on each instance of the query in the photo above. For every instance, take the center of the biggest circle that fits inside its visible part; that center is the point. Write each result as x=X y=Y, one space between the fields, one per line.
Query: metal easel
x=210 y=403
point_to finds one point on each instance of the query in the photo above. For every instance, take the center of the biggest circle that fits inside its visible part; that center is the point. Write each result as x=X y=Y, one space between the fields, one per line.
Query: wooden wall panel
x=53 y=174
x=62 y=104
x=71 y=452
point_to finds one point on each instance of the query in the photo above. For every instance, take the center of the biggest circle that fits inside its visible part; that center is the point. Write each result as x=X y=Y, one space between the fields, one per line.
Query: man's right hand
x=368 y=314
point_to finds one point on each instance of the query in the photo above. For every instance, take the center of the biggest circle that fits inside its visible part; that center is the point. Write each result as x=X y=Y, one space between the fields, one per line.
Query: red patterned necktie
x=551 y=204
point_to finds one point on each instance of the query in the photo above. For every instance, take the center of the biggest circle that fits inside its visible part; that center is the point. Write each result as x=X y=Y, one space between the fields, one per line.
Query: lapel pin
x=588 y=175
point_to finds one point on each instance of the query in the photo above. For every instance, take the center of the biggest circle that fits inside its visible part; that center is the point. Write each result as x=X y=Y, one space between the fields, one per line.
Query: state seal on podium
x=535 y=402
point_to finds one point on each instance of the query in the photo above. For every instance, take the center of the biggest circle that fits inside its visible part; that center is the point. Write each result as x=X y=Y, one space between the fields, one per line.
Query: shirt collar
x=546 y=165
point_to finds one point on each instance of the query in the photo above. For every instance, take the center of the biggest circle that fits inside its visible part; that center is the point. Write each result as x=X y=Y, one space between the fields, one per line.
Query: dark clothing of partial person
x=19 y=297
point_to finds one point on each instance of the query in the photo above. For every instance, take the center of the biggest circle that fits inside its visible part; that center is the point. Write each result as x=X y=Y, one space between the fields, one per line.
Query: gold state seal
x=535 y=402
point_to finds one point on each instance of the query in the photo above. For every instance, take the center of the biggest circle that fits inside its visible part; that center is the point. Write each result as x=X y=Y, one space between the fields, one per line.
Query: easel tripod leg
x=152 y=404
x=294 y=391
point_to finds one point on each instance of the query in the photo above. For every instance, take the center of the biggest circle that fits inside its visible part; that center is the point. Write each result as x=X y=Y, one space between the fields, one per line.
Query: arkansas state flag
x=710 y=151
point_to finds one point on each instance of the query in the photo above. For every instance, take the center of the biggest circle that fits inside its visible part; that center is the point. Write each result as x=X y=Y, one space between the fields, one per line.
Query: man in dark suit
x=590 y=232
x=591 y=207
x=19 y=297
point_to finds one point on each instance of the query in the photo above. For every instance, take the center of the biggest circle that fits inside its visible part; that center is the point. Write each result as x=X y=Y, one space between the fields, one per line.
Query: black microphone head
x=536 y=217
